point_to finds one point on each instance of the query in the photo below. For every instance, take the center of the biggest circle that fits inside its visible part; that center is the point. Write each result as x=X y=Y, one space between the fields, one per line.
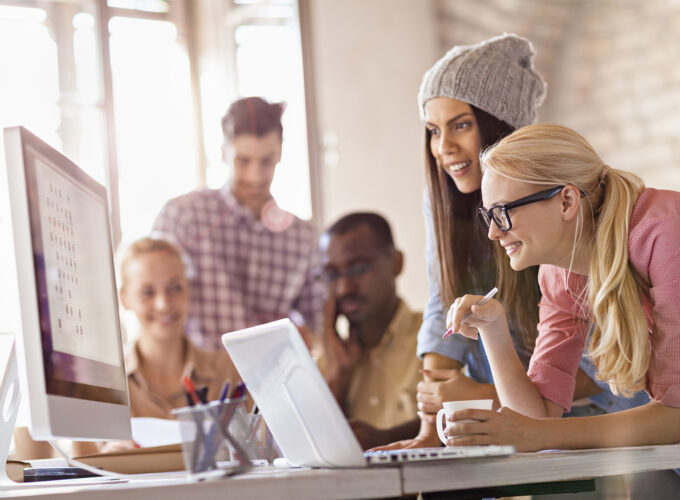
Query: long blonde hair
x=551 y=155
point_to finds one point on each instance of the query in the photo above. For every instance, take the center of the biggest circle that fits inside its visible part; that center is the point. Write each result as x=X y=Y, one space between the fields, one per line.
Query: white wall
x=368 y=59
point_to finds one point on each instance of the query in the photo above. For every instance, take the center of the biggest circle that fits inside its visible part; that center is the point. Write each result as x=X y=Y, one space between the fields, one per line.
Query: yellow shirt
x=204 y=368
x=383 y=387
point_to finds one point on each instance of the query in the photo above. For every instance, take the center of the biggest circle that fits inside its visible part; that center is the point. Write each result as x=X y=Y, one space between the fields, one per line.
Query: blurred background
x=133 y=92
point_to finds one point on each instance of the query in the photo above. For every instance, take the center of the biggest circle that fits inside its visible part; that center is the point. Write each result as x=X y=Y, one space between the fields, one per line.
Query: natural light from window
x=52 y=84
x=29 y=86
x=269 y=63
x=154 y=128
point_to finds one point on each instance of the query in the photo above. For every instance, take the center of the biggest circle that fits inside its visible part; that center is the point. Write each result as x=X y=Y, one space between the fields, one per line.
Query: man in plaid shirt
x=250 y=261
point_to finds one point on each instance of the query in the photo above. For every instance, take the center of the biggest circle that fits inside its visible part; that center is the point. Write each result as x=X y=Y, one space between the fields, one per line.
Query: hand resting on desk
x=371 y=437
x=439 y=385
x=367 y=435
x=424 y=441
x=449 y=385
x=650 y=424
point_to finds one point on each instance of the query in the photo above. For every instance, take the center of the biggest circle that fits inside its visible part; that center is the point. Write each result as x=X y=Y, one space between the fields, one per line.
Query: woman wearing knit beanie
x=471 y=98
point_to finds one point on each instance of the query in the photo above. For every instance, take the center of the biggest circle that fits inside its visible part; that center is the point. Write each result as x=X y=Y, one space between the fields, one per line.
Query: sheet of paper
x=147 y=431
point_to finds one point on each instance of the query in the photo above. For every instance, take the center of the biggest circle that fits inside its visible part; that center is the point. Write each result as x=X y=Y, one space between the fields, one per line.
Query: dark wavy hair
x=462 y=243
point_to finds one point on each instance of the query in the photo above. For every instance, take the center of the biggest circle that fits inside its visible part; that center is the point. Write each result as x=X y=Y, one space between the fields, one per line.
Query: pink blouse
x=654 y=252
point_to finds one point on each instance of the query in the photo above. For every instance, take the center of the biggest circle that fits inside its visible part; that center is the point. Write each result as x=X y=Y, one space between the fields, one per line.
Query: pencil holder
x=251 y=431
x=207 y=439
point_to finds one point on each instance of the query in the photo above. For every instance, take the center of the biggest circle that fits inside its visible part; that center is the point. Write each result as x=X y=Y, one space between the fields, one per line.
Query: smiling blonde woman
x=610 y=266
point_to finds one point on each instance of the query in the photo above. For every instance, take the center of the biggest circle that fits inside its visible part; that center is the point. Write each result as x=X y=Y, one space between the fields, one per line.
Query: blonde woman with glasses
x=610 y=282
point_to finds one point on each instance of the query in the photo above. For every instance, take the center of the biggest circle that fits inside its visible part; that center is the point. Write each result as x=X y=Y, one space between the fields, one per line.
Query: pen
x=225 y=391
x=202 y=394
x=190 y=400
x=222 y=417
x=239 y=390
x=193 y=399
x=191 y=391
x=484 y=300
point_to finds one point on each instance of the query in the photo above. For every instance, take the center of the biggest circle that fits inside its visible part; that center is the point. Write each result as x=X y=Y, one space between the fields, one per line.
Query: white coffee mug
x=450 y=407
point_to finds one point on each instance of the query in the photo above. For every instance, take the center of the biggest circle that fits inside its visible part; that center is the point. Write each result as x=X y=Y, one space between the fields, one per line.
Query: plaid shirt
x=242 y=273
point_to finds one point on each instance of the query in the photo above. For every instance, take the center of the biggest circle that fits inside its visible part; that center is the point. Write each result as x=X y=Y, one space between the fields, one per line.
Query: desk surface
x=262 y=483
x=541 y=467
x=387 y=481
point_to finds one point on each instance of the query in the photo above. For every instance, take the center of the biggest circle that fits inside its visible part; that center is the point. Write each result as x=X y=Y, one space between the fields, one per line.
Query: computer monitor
x=69 y=348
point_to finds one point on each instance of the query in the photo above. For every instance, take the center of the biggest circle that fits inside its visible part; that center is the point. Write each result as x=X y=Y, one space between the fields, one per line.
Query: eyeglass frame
x=487 y=215
x=353 y=271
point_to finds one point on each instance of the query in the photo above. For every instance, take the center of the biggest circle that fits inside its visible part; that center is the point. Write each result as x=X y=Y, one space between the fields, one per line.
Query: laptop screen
x=294 y=399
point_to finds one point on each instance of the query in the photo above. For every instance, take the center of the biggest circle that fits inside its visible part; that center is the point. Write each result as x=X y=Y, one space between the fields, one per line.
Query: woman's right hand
x=448 y=385
x=484 y=318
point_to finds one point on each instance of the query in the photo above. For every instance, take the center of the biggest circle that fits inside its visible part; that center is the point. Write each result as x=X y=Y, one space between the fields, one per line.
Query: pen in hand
x=484 y=300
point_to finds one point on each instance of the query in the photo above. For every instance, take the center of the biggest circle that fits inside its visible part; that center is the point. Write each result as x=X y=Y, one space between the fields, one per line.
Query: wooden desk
x=386 y=481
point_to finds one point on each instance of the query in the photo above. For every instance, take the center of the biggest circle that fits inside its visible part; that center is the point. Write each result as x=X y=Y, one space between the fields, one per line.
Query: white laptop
x=304 y=417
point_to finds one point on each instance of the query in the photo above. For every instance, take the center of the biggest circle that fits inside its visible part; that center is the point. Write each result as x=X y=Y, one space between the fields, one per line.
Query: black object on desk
x=32 y=474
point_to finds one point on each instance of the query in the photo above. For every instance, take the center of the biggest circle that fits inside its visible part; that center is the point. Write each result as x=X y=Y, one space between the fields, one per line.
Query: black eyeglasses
x=499 y=213
x=354 y=270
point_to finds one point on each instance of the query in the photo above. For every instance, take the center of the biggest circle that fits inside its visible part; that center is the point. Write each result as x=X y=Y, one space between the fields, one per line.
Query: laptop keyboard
x=441 y=453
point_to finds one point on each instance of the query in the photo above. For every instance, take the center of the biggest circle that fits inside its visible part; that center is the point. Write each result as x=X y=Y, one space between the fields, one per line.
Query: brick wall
x=612 y=67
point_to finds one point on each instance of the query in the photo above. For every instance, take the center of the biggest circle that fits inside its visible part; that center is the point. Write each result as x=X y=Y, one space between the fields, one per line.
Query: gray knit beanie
x=496 y=76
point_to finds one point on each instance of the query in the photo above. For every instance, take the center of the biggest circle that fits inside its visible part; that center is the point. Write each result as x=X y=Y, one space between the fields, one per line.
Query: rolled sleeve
x=562 y=331
x=655 y=255
x=663 y=377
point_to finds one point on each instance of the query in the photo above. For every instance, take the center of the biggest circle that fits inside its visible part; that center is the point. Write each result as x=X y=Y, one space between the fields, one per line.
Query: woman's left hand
x=502 y=427
x=468 y=318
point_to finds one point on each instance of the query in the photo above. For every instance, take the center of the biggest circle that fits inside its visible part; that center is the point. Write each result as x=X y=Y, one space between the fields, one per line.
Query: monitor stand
x=10 y=397
x=9 y=408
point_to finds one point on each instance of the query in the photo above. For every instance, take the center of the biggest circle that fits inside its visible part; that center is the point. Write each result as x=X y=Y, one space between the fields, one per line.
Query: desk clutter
x=222 y=435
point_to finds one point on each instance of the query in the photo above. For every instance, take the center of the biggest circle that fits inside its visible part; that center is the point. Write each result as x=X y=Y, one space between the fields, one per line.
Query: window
x=48 y=83
x=153 y=116
x=269 y=63
x=143 y=117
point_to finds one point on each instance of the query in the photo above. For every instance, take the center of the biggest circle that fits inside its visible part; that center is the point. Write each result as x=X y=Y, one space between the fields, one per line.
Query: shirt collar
x=192 y=364
x=397 y=326
x=236 y=207
x=232 y=203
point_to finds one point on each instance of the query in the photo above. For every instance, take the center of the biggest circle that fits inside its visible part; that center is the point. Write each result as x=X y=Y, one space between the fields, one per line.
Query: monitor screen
x=65 y=266
x=77 y=297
